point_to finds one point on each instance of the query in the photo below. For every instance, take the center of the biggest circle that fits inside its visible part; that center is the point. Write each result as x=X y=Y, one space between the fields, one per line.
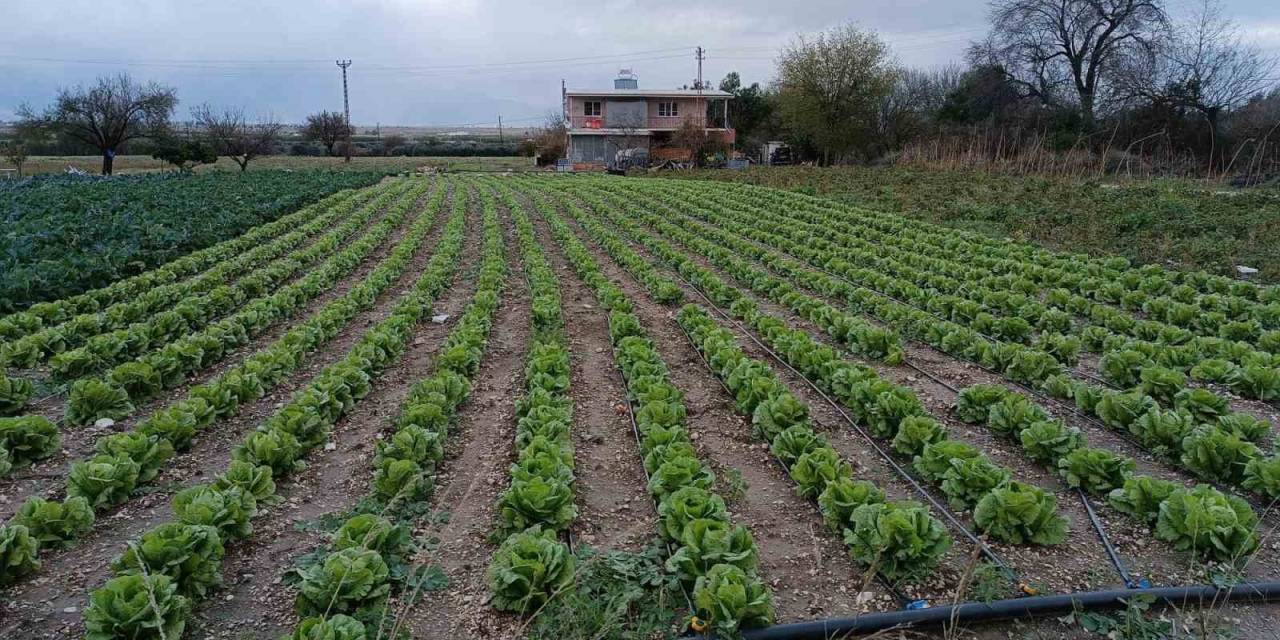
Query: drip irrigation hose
x=902 y=598
x=1129 y=581
x=1018 y=608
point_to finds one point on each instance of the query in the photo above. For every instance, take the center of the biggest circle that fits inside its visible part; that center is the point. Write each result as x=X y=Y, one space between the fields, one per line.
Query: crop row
x=127 y=460
x=531 y=564
x=1007 y=510
x=151 y=590
x=39 y=345
x=714 y=559
x=115 y=393
x=1209 y=421
x=343 y=592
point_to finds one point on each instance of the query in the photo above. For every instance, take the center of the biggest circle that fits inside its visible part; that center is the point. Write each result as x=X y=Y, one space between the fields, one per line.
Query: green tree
x=750 y=109
x=830 y=88
x=183 y=153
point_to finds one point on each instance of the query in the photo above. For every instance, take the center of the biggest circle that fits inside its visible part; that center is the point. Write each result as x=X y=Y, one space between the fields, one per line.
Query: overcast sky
x=447 y=62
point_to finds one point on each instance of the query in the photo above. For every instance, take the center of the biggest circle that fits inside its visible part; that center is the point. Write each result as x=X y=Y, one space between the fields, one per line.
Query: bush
x=1019 y=513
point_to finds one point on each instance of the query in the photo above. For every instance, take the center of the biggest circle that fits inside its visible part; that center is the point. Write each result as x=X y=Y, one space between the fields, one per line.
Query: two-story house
x=603 y=121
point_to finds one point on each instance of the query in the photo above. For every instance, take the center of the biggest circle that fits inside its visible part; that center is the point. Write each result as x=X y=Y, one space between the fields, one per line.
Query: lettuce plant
x=969 y=479
x=93 y=399
x=842 y=495
x=1217 y=455
x=1119 y=410
x=19 y=552
x=527 y=569
x=150 y=452
x=344 y=582
x=1204 y=405
x=890 y=409
x=335 y=627
x=29 y=438
x=14 y=393
x=1019 y=513
x=1048 y=441
x=1097 y=471
x=900 y=539
x=1256 y=381
x=774 y=414
x=1141 y=496
x=400 y=480
x=1162 y=383
x=1013 y=413
x=1215 y=370
x=537 y=502
x=103 y=480
x=190 y=555
x=936 y=459
x=1246 y=426
x=1263 y=476
x=685 y=505
x=677 y=473
x=814 y=470
x=373 y=532
x=52 y=523
x=794 y=442
x=1123 y=368
x=228 y=510
x=1208 y=523
x=915 y=432
x=705 y=543
x=256 y=481
x=1162 y=432
x=137 y=607
x=729 y=599
x=973 y=404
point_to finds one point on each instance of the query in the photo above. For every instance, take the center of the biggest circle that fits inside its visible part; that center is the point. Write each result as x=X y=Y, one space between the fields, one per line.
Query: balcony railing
x=655 y=122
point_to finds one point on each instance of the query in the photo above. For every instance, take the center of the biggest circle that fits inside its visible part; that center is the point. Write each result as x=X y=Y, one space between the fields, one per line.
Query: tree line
x=117 y=114
x=1107 y=85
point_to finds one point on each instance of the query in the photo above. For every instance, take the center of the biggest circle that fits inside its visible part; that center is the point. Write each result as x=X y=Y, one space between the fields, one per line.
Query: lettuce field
x=483 y=406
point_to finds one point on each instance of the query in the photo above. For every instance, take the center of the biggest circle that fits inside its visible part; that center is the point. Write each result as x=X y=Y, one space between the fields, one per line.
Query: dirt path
x=46 y=478
x=254 y=602
x=614 y=507
x=66 y=577
x=478 y=452
x=807 y=568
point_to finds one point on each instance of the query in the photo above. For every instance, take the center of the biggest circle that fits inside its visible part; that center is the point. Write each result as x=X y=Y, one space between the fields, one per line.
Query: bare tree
x=15 y=153
x=1060 y=48
x=106 y=115
x=1212 y=69
x=326 y=127
x=232 y=135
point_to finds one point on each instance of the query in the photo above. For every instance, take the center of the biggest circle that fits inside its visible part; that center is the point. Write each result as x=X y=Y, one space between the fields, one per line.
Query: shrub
x=1019 y=513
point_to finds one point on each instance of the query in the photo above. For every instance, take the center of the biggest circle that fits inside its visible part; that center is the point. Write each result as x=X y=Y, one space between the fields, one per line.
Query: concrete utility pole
x=702 y=106
x=346 y=105
x=500 y=139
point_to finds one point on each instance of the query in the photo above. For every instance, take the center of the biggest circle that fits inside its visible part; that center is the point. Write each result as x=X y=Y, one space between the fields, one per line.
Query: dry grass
x=145 y=164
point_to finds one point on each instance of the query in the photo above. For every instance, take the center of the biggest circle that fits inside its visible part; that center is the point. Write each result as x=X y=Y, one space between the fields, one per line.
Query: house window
x=668 y=110
x=591 y=108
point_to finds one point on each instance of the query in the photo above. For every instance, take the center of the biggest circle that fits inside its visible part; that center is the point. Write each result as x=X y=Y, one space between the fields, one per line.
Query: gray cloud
x=448 y=61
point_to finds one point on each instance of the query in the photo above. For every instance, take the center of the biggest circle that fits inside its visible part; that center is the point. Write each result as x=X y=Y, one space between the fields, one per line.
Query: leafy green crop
x=842 y=496
x=1162 y=432
x=705 y=543
x=974 y=402
x=137 y=607
x=686 y=505
x=1208 y=523
x=346 y=581
x=527 y=569
x=335 y=627
x=190 y=555
x=730 y=599
x=540 y=501
x=27 y=439
x=814 y=470
x=19 y=552
x=1097 y=471
x=1019 y=513
x=1048 y=441
x=1215 y=454
x=103 y=480
x=936 y=459
x=228 y=511
x=14 y=393
x=915 y=432
x=54 y=523
x=1141 y=496
x=900 y=539
x=969 y=479
x=93 y=399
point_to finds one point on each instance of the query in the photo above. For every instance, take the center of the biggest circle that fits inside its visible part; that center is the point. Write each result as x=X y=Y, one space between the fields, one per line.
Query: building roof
x=648 y=93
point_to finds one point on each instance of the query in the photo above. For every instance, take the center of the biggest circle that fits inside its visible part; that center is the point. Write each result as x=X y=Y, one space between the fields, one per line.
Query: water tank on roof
x=626 y=80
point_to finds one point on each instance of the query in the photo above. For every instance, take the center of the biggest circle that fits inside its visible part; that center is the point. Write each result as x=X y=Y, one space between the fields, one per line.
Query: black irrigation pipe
x=902 y=598
x=1128 y=579
x=1019 y=608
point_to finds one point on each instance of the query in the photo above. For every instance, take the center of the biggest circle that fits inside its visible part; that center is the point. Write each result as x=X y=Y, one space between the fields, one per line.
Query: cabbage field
x=483 y=406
